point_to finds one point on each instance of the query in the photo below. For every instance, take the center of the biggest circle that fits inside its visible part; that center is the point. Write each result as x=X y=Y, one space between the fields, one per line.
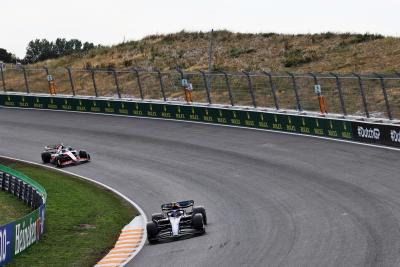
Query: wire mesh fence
x=374 y=95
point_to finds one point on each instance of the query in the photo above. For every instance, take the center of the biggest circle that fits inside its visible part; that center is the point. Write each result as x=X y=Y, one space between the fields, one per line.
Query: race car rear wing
x=52 y=147
x=180 y=204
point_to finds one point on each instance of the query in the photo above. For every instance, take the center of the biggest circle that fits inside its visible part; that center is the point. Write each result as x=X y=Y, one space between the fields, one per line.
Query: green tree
x=39 y=50
x=6 y=57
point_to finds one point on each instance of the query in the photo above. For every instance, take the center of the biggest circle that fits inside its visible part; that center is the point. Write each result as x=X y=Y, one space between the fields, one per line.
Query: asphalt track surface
x=271 y=199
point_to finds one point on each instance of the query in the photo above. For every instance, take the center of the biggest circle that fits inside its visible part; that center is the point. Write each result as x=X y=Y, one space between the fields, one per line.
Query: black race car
x=177 y=219
x=61 y=155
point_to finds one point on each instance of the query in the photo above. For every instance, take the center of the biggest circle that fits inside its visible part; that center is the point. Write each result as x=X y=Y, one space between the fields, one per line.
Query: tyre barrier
x=17 y=236
x=387 y=134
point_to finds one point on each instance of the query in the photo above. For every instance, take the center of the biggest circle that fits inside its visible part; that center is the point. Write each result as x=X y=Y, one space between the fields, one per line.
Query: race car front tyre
x=197 y=221
x=84 y=154
x=152 y=232
x=46 y=157
x=202 y=211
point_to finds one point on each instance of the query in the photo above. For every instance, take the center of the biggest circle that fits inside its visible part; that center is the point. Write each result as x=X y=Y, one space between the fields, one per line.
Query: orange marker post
x=52 y=85
x=321 y=99
x=322 y=104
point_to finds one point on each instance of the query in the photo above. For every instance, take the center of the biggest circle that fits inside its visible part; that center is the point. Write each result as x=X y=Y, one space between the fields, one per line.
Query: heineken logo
x=248 y=116
x=165 y=108
x=234 y=114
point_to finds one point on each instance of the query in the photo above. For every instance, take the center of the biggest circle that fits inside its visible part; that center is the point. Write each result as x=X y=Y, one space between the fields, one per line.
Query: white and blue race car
x=177 y=219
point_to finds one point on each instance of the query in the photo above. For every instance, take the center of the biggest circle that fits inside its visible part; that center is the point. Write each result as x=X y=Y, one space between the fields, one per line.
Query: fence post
x=26 y=80
x=228 y=85
x=206 y=86
x=94 y=82
x=360 y=83
x=389 y=112
x=273 y=89
x=71 y=81
x=339 y=87
x=116 y=83
x=296 y=93
x=161 y=85
x=181 y=73
x=250 y=87
x=139 y=82
x=2 y=78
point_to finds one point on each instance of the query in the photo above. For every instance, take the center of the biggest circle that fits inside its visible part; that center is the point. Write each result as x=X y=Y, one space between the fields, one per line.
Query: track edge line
x=136 y=206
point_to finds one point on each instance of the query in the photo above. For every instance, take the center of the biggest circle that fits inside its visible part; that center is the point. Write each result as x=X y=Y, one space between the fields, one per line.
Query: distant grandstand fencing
x=371 y=96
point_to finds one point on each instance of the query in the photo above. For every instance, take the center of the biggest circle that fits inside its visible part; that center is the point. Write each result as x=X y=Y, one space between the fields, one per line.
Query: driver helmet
x=175 y=206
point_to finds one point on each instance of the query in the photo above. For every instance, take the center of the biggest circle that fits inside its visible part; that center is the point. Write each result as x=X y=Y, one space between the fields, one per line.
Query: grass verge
x=11 y=208
x=83 y=220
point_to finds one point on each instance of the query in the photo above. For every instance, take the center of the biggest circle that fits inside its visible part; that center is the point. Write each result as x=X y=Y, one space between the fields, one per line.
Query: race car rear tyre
x=197 y=221
x=156 y=216
x=201 y=210
x=152 y=230
x=46 y=157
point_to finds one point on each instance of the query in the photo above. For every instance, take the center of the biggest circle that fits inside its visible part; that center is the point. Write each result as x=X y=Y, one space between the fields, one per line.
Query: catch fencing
x=17 y=236
x=370 y=96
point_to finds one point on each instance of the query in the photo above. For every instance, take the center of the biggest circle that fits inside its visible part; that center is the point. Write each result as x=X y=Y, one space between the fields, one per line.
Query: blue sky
x=109 y=22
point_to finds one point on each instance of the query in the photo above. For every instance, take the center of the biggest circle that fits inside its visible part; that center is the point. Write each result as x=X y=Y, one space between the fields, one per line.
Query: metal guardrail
x=374 y=95
x=20 y=234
